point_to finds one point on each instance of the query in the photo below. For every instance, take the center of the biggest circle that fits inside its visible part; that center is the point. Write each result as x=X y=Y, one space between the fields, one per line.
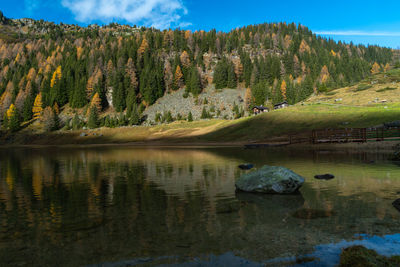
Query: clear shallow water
x=140 y=206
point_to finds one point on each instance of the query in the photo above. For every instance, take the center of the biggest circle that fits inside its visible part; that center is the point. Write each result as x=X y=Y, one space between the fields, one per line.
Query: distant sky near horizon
x=366 y=22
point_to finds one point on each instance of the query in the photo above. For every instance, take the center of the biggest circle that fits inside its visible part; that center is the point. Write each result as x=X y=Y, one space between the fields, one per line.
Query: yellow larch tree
x=56 y=108
x=37 y=106
x=143 y=47
x=79 y=51
x=179 y=77
x=31 y=74
x=89 y=87
x=248 y=98
x=18 y=58
x=376 y=68
x=324 y=75
x=95 y=102
x=56 y=76
x=386 y=68
x=283 y=89
x=5 y=102
x=185 y=59
x=11 y=111
x=304 y=47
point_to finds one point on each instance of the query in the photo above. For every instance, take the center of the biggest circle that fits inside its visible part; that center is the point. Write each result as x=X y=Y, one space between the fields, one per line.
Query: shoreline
x=385 y=145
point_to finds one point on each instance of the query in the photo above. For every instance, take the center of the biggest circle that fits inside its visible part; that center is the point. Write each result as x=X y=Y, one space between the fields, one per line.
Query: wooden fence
x=361 y=135
x=346 y=135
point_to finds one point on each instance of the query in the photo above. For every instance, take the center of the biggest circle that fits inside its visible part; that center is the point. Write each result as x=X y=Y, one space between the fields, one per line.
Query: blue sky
x=367 y=22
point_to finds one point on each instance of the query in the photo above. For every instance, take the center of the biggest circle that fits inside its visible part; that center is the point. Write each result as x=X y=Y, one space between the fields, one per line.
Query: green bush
x=386 y=89
x=363 y=87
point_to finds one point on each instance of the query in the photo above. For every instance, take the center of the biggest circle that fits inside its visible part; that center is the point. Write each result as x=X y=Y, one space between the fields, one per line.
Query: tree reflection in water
x=86 y=206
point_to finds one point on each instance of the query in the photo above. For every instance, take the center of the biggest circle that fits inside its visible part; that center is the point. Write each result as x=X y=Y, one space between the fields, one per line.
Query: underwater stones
x=246 y=166
x=396 y=204
x=324 y=176
x=270 y=180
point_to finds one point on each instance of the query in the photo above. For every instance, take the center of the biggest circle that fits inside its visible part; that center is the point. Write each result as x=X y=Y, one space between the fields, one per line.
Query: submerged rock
x=324 y=177
x=396 y=204
x=246 y=166
x=270 y=180
x=310 y=214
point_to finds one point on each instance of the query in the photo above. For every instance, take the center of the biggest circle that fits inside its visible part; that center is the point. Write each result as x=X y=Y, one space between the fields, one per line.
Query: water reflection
x=87 y=206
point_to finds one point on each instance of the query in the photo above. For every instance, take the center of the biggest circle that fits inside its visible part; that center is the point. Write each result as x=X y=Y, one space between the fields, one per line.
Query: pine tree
x=190 y=116
x=221 y=75
x=76 y=122
x=27 y=109
x=134 y=116
x=169 y=118
x=204 y=114
x=93 y=120
x=231 y=82
x=194 y=84
x=4 y=124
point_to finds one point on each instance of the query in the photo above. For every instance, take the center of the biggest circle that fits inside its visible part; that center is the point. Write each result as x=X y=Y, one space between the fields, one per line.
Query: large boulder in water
x=270 y=180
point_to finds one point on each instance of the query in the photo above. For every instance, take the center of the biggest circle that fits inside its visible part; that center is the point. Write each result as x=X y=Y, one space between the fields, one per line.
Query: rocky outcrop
x=219 y=103
x=270 y=180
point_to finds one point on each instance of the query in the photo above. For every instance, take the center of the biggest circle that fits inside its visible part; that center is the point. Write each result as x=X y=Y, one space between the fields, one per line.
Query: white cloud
x=30 y=7
x=359 y=33
x=156 y=13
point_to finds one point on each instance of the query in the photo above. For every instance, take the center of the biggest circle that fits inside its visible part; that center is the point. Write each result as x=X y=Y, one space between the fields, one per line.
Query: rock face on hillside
x=270 y=180
x=219 y=103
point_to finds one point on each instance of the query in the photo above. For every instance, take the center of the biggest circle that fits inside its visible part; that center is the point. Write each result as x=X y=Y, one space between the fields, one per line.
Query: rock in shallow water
x=270 y=180
x=396 y=204
x=246 y=166
x=324 y=177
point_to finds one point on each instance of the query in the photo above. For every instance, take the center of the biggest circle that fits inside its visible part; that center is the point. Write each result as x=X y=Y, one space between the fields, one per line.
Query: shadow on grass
x=271 y=127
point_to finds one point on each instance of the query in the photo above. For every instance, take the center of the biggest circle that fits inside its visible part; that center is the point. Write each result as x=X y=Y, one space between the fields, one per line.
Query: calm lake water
x=118 y=206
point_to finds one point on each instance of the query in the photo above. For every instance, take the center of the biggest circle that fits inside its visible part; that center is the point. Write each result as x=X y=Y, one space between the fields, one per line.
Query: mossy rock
x=270 y=180
x=359 y=256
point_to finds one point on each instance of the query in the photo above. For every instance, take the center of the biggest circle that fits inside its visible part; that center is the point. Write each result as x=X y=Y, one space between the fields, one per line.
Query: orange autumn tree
x=143 y=47
x=386 y=68
x=37 y=106
x=56 y=76
x=185 y=59
x=324 y=75
x=248 y=98
x=283 y=89
x=11 y=111
x=375 y=68
x=178 y=77
x=95 y=102
x=56 y=109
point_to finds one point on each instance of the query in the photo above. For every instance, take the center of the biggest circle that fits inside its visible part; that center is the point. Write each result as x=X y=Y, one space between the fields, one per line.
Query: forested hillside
x=45 y=68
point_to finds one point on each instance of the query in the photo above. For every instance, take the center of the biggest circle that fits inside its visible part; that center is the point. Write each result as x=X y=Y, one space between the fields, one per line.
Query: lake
x=122 y=206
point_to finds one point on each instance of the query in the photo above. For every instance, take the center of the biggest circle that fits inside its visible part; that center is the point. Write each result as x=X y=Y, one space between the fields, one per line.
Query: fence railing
x=347 y=135
x=354 y=135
